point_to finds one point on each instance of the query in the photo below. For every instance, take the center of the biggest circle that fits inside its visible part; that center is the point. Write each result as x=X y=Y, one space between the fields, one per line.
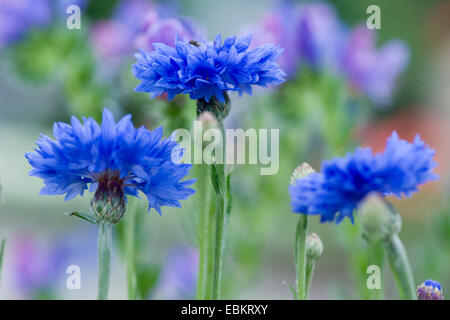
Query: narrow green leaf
x=291 y=287
x=2 y=251
x=83 y=216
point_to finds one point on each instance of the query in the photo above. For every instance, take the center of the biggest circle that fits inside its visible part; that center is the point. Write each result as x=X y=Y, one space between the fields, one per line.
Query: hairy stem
x=220 y=186
x=310 y=265
x=401 y=268
x=104 y=258
x=203 y=194
x=2 y=252
x=130 y=252
x=300 y=256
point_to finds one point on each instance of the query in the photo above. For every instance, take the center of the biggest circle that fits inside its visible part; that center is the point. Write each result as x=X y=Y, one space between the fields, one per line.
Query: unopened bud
x=301 y=171
x=378 y=218
x=314 y=246
x=430 y=290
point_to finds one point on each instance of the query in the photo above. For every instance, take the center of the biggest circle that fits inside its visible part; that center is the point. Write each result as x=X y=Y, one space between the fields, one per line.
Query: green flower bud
x=301 y=171
x=314 y=247
x=219 y=109
x=378 y=219
x=108 y=203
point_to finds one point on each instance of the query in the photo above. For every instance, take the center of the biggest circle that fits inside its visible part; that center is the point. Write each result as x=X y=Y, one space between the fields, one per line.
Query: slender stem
x=376 y=257
x=104 y=258
x=203 y=195
x=401 y=268
x=2 y=252
x=210 y=236
x=220 y=185
x=300 y=256
x=218 y=250
x=310 y=265
x=130 y=253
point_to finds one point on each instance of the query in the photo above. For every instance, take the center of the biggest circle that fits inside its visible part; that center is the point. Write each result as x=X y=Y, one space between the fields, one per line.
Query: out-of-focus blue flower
x=83 y=154
x=19 y=16
x=430 y=290
x=179 y=275
x=373 y=71
x=206 y=71
x=344 y=182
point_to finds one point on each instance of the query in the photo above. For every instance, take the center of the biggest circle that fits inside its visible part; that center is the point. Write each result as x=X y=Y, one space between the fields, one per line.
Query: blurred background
x=346 y=86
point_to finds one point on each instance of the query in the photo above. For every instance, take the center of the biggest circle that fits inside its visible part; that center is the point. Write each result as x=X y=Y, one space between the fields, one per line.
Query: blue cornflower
x=207 y=70
x=114 y=159
x=345 y=181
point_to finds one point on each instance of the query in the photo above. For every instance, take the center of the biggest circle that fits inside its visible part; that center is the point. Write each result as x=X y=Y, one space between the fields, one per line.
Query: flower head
x=114 y=159
x=345 y=181
x=430 y=290
x=207 y=70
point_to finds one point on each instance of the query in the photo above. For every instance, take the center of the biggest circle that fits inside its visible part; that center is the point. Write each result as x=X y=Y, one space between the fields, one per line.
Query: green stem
x=2 y=252
x=300 y=256
x=220 y=186
x=401 y=268
x=376 y=257
x=130 y=253
x=104 y=258
x=210 y=236
x=203 y=195
x=310 y=265
x=218 y=250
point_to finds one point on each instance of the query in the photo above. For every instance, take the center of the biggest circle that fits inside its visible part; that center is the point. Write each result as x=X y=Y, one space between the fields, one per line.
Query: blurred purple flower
x=111 y=39
x=313 y=37
x=276 y=28
x=133 y=13
x=37 y=268
x=19 y=16
x=137 y=24
x=179 y=275
x=165 y=30
x=309 y=33
x=321 y=35
x=373 y=71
